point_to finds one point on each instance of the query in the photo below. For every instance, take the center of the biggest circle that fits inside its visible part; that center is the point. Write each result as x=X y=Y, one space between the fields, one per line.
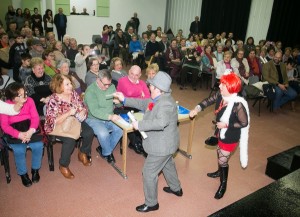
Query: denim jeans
x=20 y=156
x=282 y=97
x=108 y=134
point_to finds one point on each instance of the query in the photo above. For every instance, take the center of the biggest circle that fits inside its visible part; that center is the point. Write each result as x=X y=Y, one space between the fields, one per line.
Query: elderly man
x=160 y=125
x=99 y=100
x=274 y=72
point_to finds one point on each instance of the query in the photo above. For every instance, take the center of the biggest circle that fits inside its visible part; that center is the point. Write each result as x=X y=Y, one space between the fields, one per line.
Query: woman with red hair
x=232 y=125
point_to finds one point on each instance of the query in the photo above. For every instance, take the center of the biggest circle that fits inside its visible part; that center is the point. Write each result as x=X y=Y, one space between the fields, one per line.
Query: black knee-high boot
x=214 y=174
x=223 y=179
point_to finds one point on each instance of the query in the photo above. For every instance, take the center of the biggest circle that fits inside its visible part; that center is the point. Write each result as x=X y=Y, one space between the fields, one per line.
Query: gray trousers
x=152 y=167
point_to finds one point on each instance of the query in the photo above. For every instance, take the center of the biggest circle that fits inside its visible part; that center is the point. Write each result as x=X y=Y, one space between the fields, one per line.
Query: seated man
x=99 y=99
x=274 y=72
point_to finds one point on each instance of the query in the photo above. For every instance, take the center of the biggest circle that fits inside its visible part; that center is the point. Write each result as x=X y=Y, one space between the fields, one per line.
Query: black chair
x=51 y=140
x=4 y=159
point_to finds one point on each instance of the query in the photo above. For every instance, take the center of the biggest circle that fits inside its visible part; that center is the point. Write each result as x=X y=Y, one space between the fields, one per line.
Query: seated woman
x=132 y=86
x=223 y=65
x=173 y=58
x=209 y=63
x=191 y=63
x=240 y=66
x=20 y=129
x=63 y=103
x=152 y=70
x=37 y=84
x=63 y=67
x=92 y=74
x=117 y=71
x=254 y=65
x=136 y=50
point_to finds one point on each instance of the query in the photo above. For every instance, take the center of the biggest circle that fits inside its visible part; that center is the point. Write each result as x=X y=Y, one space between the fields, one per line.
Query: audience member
x=37 y=84
x=63 y=103
x=92 y=74
x=275 y=73
x=195 y=26
x=48 y=21
x=19 y=130
x=60 y=21
x=101 y=116
x=36 y=20
x=81 y=60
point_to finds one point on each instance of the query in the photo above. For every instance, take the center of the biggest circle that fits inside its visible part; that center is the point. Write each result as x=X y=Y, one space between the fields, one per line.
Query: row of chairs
x=48 y=141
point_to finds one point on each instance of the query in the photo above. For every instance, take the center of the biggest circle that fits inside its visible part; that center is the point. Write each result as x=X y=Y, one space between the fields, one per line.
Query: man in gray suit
x=160 y=125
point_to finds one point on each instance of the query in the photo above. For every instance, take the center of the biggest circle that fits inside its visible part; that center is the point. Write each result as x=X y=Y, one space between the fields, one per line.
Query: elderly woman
x=208 y=61
x=80 y=61
x=19 y=131
x=232 y=126
x=132 y=86
x=117 y=71
x=63 y=67
x=92 y=74
x=63 y=103
x=37 y=84
x=152 y=70
x=173 y=58
x=240 y=66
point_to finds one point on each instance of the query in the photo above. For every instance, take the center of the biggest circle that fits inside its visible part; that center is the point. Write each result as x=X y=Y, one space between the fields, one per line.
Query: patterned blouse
x=56 y=106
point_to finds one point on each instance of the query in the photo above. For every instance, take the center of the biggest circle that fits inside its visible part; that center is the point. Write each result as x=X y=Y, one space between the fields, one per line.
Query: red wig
x=232 y=82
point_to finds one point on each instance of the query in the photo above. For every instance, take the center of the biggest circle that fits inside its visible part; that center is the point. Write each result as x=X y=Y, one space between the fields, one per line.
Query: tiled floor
x=99 y=191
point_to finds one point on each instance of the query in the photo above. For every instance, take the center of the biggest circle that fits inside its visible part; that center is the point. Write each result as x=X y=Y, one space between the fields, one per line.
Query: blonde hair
x=36 y=61
x=153 y=67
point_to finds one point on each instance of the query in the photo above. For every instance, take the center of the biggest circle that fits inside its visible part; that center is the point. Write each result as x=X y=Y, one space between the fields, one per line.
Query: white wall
x=181 y=14
x=83 y=27
x=259 y=19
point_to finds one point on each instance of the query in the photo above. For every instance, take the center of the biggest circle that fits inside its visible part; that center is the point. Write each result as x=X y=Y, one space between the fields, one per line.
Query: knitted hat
x=162 y=81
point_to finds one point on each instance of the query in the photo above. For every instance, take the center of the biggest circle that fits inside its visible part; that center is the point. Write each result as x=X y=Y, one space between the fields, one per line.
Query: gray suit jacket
x=160 y=124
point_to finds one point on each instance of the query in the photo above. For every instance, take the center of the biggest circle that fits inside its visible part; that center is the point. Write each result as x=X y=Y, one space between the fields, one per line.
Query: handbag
x=71 y=128
x=23 y=126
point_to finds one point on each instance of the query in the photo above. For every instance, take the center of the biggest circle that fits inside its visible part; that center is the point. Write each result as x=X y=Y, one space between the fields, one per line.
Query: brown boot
x=66 y=172
x=83 y=158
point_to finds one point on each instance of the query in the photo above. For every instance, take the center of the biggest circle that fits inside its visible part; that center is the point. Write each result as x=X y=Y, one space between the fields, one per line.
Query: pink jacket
x=28 y=111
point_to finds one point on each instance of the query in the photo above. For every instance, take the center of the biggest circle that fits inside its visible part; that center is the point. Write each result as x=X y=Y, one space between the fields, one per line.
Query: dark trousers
x=60 y=33
x=68 y=145
x=183 y=75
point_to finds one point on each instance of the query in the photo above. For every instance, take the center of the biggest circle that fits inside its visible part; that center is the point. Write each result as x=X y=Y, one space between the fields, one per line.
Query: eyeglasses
x=95 y=64
x=105 y=85
x=23 y=95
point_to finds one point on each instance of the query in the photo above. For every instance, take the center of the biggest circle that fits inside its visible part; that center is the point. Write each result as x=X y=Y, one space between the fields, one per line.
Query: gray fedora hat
x=162 y=81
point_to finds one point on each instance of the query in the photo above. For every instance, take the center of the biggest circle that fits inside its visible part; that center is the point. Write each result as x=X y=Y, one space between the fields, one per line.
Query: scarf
x=244 y=131
x=242 y=69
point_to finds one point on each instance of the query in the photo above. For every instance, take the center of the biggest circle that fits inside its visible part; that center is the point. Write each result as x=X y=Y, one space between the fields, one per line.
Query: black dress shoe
x=177 y=193
x=135 y=147
x=109 y=158
x=26 y=180
x=35 y=176
x=145 y=208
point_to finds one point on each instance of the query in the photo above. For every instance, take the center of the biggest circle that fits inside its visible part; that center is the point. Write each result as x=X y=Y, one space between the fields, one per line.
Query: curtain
x=225 y=16
x=284 y=24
